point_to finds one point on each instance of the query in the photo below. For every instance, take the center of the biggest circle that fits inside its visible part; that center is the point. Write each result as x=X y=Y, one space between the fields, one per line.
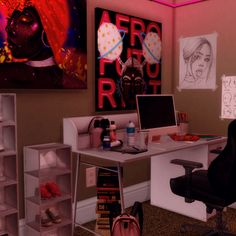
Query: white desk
x=161 y=169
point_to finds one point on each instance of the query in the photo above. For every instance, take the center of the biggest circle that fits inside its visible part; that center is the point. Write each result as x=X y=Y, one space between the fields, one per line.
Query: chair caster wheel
x=183 y=230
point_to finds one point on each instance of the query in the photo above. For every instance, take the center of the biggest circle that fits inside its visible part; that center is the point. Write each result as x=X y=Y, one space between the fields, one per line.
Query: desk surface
x=153 y=149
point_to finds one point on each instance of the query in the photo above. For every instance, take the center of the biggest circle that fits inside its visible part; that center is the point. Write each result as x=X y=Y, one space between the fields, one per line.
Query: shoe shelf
x=53 y=171
x=47 y=202
x=7 y=220
x=8 y=166
x=63 y=213
x=48 y=189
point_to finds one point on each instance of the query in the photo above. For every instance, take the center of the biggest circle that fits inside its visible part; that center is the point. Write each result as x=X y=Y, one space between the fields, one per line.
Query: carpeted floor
x=159 y=222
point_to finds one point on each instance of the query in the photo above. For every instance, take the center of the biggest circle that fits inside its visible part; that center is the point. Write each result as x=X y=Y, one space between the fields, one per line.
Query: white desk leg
x=120 y=179
x=75 y=189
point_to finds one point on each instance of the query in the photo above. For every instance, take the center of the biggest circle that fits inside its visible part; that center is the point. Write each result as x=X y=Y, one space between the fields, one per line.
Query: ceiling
x=177 y=3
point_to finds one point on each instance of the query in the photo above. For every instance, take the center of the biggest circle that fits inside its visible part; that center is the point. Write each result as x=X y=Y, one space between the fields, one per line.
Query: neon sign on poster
x=128 y=59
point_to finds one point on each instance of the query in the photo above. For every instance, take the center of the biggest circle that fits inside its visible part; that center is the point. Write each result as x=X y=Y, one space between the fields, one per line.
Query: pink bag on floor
x=125 y=225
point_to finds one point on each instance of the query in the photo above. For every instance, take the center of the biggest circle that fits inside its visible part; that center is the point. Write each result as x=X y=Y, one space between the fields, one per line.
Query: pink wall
x=199 y=19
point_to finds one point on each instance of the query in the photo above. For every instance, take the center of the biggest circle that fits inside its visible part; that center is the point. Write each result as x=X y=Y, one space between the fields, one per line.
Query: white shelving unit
x=43 y=164
x=8 y=166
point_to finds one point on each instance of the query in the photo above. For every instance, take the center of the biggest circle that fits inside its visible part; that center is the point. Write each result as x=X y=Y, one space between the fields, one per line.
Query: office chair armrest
x=216 y=151
x=186 y=163
x=189 y=166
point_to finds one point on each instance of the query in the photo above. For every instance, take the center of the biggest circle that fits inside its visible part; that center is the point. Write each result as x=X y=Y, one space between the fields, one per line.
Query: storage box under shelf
x=7 y=136
x=63 y=230
x=8 y=224
x=47 y=164
x=33 y=214
x=8 y=166
x=8 y=172
x=46 y=158
x=7 y=107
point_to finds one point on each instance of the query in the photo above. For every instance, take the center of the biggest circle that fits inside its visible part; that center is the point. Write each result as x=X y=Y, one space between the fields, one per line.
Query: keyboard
x=129 y=150
x=169 y=144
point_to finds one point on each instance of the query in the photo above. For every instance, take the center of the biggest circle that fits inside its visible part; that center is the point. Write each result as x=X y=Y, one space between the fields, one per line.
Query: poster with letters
x=127 y=59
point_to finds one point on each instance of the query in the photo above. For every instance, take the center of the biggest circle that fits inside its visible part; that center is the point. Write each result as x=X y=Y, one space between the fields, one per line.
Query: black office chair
x=216 y=187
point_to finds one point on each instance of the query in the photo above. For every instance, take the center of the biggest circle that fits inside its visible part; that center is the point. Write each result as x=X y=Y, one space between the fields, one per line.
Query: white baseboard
x=233 y=205
x=22 y=227
x=86 y=208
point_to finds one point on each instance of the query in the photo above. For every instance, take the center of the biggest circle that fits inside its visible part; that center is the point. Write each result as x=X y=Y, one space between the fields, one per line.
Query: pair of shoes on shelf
x=2 y=177
x=43 y=219
x=1 y=147
x=49 y=190
x=48 y=217
x=45 y=194
x=53 y=188
x=53 y=215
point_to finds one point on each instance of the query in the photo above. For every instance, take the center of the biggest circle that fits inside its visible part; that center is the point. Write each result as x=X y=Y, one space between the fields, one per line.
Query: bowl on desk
x=186 y=137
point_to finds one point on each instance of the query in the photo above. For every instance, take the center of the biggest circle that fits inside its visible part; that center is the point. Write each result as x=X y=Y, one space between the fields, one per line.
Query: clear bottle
x=113 y=131
x=130 y=131
x=95 y=137
x=106 y=143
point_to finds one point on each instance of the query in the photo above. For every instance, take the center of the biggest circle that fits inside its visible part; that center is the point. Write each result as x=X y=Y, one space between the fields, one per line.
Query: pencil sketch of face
x=233 y=83
x=234 y=97
x=227 y=83
x=198 y=57
x=227 y=97
x=227 y=111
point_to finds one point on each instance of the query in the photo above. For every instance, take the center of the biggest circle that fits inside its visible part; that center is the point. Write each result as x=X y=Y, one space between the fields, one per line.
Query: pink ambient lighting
x=174 y=5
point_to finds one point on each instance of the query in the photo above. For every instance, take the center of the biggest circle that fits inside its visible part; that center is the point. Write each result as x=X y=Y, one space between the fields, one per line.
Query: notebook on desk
x=209 y=136
x=168 y=145
x=129 y=150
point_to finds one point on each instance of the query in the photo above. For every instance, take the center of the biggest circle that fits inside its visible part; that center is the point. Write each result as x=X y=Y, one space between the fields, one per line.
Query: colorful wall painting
x=128 y=59
x=43 y=44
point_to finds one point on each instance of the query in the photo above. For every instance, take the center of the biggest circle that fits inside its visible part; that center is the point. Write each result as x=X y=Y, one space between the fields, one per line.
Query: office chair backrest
x=222 y=171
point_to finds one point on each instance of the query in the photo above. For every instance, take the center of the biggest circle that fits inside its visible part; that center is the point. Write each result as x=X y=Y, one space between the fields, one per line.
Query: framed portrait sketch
x=197 y=60
x=43 y=44
x=128 y=59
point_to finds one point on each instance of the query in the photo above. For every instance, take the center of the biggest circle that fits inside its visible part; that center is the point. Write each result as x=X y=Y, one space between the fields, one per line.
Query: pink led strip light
x=174 y=5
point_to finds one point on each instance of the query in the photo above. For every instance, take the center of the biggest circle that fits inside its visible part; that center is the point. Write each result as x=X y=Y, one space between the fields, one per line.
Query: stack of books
x=108 y=197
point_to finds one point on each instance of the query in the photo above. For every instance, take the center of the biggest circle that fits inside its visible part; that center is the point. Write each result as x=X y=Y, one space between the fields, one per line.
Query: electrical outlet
x=90 y=177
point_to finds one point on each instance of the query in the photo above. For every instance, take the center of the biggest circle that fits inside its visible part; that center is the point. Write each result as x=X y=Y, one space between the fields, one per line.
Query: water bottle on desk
x=130 y=132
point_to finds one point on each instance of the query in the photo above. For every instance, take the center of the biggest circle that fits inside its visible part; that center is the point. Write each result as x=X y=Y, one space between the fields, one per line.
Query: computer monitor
x=156 y=113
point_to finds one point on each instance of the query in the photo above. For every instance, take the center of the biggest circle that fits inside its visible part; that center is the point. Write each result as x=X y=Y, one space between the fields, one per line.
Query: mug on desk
x=142 y=139
x=183 y=128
